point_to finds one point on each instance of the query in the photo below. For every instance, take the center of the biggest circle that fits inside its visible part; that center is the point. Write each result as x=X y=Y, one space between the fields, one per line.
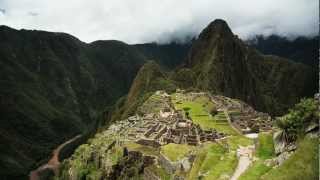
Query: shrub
x=298 y=119
x=213 y=111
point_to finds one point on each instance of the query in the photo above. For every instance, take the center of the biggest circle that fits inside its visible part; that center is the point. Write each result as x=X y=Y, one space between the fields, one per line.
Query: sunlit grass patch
x=212 y=161
x=265 y=149
x=303 y=164
x=255 y=171
x=201 y=116
x=147 y=150
x=176 y=151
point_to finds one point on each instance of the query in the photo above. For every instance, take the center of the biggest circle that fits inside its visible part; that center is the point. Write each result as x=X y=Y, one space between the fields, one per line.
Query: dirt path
x=53 y=163
x=245 y=158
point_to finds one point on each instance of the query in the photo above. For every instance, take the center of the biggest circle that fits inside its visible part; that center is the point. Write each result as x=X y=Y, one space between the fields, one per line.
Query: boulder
x=279 y=144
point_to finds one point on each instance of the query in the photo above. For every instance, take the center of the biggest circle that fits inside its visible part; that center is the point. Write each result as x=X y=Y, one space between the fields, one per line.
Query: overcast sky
x=140 y=21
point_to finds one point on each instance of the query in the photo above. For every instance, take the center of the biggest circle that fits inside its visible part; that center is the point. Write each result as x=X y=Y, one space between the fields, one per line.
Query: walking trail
x=53 y=163
x=245 y=158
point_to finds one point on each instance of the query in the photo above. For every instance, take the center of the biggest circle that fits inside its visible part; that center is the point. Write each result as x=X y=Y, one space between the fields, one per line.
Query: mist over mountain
x=145 y=21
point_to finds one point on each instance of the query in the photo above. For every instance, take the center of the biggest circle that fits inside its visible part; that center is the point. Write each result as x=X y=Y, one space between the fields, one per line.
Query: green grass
x=265 y=149
x=303 y=164
x=256 y=170
x=235 y=141
x=147 y=150
x=212 y=161
x=200 y=115
x=176 y=151
x=160 y=172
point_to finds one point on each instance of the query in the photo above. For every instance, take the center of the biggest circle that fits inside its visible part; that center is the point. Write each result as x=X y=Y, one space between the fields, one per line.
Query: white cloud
x=153 y=20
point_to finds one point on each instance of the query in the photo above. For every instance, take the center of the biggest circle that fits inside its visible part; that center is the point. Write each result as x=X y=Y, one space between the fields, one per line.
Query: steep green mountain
x=223 y=64
x=54 y=86
x=149 y=79
x=301 y=49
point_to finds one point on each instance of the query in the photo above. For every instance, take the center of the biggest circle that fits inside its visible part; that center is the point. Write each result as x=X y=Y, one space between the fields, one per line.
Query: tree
x=213 y=111
x=187 y=114
x=294 y=124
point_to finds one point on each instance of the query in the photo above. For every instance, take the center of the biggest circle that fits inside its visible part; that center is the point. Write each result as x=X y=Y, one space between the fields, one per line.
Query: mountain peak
x=218 y=26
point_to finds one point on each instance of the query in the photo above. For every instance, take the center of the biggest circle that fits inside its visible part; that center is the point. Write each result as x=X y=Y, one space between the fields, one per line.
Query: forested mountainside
x=54 y=86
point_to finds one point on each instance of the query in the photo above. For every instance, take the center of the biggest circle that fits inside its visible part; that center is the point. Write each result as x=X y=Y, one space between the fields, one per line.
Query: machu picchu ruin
x=169 y=133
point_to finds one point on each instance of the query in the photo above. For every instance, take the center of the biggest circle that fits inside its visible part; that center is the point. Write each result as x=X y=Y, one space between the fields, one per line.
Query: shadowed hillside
x=54 y=86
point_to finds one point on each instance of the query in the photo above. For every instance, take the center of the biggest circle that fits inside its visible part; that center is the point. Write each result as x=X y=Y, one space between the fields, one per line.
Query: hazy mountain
x=300 y=49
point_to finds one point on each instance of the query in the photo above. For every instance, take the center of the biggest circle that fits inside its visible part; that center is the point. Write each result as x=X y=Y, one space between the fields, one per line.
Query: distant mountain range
x=53 y=86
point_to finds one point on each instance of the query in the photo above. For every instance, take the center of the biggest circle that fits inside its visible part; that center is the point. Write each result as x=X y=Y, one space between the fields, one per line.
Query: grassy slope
x=212 y=161
x=176 y=151
x=303 y=164
x=265 y=150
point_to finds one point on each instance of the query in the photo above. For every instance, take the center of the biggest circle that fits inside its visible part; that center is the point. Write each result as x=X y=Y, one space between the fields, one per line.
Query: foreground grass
x=176 y=151
x=303 y=164
x=265 y=150
x=212 y=161
x=256 y=170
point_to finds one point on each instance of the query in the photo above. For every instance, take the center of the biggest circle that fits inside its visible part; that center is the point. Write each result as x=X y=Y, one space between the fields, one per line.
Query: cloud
x=2 y=11
x=161 y=21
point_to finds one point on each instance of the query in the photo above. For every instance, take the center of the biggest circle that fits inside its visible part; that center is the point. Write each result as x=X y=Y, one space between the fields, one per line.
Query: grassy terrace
x=199 y=112
x=213 y=161
x=147 y=150
x=176 y=151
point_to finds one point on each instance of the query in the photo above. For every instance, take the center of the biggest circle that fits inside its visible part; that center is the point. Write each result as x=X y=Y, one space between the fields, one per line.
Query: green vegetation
x=265 y=150
x=213 y=161
x=176 y=151
x=149 y=79
x=83 y=162
x=272 y=83
x=160 y=172
x=238 y=140
x=255 y=171
x=298 y=119
x=199 y=113
x=303 y=164
x=147 y=150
